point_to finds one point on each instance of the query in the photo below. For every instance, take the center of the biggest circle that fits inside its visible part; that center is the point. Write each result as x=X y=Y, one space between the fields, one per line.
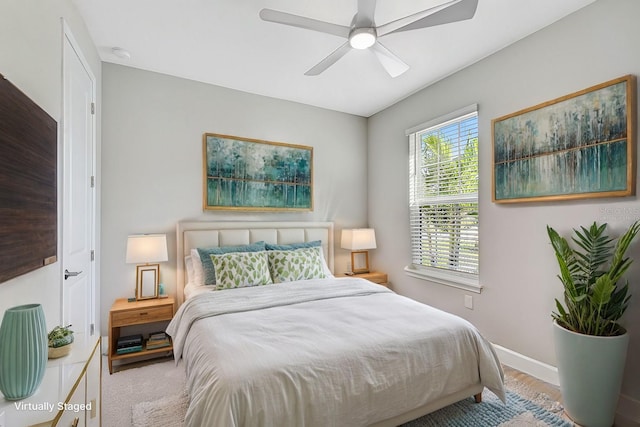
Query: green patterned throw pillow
x=241 y=269
x=207 y=267
x=299 y=264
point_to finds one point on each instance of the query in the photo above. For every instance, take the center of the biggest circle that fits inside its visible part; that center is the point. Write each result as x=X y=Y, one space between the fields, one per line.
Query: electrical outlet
x=468 y=302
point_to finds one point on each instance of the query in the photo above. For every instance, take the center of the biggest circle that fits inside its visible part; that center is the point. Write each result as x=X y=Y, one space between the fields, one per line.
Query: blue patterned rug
x=517 y=412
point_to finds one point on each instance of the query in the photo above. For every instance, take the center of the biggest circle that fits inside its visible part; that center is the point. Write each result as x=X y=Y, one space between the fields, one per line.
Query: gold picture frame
x=147 y=281
x=255 y=175
x=578 y=146
x=360 y=262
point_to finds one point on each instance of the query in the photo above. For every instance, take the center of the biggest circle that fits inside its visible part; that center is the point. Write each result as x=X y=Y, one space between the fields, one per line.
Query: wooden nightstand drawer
x=142 y=315
x=375 y=277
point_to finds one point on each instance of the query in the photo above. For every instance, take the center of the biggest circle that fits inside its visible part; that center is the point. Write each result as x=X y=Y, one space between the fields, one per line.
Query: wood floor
x=534 y=384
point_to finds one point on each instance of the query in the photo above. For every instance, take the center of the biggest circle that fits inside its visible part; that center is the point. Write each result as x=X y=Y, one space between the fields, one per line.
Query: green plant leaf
x=601 y=292
x=590 y=273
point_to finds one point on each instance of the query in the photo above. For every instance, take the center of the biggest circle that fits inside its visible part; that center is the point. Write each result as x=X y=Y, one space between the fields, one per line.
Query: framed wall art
x=578 y=146
x=255 y=175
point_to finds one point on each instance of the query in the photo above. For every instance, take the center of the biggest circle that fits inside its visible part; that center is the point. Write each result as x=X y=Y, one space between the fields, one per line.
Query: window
x=443 y=186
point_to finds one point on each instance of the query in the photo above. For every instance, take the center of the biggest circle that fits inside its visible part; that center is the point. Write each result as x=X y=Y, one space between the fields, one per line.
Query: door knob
x=68 y=273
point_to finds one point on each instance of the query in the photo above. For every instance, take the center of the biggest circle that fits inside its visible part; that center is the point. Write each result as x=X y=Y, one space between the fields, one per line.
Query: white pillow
x=188 y=265
x=325 y=267
x=198 y=271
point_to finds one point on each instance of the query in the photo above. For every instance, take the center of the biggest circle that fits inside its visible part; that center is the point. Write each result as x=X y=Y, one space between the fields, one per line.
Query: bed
x=322 y=351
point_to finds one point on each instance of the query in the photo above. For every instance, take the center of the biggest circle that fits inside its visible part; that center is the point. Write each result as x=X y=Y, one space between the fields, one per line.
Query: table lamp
x=359 y=241
x=147 y=250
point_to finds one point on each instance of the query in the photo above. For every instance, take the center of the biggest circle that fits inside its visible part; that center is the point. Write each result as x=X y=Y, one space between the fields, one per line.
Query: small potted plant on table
x=60 y=339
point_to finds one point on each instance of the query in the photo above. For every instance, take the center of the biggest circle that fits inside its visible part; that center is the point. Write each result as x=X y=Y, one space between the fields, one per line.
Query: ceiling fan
x=364 y=34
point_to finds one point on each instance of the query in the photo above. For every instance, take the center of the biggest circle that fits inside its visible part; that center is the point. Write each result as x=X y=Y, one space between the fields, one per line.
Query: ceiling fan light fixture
x=363 y=33
x=362 y=38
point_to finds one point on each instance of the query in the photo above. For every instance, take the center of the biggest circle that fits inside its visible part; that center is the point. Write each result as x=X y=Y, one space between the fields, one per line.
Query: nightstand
x=374 y=276
x=124 y=313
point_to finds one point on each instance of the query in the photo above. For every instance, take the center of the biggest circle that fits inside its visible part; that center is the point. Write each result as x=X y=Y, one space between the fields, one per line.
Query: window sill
x=470 y=284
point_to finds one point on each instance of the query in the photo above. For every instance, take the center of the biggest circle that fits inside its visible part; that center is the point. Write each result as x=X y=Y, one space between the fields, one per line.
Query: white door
x=78 y=214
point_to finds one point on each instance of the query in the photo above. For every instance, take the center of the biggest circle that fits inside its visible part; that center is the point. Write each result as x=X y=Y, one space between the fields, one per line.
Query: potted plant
x=60 y=339
x=590 y=343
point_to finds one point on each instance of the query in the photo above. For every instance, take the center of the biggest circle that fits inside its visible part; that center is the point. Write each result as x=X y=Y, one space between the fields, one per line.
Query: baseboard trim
x=627 y=413
x=530 y=366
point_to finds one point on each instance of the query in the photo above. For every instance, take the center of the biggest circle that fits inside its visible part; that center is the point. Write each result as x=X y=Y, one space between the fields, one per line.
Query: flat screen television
x=28 y=184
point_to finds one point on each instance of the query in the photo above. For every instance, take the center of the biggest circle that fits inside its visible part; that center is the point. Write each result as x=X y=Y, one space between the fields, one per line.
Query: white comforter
x=331 y=352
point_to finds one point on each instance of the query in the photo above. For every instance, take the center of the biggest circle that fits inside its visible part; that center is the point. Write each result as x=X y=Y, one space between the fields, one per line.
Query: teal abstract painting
x=256 y=175
x=578 y=146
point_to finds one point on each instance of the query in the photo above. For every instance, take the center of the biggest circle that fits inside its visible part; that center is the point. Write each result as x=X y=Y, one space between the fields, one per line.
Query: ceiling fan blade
x=278 y=17
x=366 y=13
x=452 y=11
x=457 y=12
x=391 y=63
x=329 y=60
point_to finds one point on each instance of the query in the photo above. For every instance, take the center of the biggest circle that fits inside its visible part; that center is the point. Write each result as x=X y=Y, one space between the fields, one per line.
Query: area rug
x=517 y=412
x=166 y=412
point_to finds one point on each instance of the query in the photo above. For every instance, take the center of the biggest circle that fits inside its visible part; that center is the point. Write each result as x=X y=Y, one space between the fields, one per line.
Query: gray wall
x=31 y=59
x=517 y=265
x=152 y=162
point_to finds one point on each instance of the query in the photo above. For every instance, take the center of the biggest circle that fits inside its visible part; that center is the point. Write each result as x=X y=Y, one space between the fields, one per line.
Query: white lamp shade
x=358 y=239
x=146 y=248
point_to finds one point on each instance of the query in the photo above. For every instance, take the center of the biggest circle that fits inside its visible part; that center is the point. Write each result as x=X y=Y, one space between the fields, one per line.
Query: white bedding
x=326 y=352
x=191 y=290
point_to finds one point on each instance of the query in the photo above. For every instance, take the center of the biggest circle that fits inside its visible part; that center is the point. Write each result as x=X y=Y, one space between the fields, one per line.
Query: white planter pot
x=590 y=370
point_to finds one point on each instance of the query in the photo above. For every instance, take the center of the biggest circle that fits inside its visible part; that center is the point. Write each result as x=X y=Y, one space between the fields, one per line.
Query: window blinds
x=444 y=195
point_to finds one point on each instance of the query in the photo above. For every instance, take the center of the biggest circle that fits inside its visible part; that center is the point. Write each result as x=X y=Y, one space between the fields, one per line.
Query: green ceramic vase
x=23 y=351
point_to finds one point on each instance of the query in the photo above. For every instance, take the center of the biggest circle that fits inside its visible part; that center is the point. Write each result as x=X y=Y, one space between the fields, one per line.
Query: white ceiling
x=224 y=42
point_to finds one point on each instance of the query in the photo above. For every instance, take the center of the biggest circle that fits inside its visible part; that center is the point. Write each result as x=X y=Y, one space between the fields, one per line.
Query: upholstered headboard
x=199 y=234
